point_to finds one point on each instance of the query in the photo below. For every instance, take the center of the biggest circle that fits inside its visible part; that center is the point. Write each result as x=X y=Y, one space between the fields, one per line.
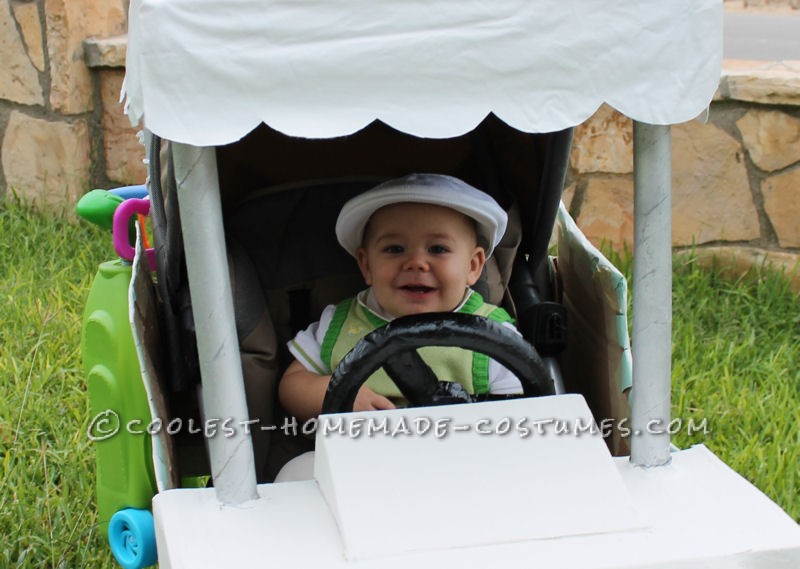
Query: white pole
x=231 y=457
x=652 y=295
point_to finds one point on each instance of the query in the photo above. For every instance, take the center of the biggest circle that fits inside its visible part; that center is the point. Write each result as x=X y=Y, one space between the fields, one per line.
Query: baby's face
x=420 y=258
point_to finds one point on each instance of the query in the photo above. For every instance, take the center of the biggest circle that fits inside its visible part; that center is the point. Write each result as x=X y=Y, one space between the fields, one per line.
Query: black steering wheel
x=394 y=346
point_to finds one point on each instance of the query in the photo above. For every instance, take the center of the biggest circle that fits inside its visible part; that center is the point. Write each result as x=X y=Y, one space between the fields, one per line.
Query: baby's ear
x=476 y=263
x=363 y=265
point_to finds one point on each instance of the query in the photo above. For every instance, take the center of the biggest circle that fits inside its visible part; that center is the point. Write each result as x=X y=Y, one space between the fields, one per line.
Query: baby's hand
x=368 y=400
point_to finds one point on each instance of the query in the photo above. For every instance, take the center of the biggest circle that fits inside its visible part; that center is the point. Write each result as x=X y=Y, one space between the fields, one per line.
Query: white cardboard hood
x=206 y=72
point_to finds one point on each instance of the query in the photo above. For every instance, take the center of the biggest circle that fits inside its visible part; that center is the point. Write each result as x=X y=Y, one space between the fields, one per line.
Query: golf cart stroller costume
x=261 y=120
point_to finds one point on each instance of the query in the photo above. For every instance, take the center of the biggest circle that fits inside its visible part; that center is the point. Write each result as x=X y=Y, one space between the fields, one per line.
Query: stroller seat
x=286 y=266
x=281 y=197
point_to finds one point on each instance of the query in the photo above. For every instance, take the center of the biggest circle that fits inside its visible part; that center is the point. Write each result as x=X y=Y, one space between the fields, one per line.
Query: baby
x=421 y=242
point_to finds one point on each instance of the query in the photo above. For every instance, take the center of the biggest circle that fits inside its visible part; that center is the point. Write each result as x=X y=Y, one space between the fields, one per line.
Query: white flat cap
x=436 y=189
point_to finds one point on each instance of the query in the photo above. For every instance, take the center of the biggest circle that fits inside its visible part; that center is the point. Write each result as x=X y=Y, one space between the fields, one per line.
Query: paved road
x=762 y=35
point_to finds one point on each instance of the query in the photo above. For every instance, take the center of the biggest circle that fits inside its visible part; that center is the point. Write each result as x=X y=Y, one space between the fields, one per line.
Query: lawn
x=736 y=363
x=47 y=512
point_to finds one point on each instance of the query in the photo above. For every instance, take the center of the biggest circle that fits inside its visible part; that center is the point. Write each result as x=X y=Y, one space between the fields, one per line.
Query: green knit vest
x=352 y=321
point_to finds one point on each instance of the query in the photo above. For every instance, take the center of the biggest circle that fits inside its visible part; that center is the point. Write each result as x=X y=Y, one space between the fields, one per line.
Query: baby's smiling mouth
x=417 y=288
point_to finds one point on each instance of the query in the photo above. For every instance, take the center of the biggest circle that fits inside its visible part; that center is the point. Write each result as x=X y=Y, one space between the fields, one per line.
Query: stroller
x=261 y=120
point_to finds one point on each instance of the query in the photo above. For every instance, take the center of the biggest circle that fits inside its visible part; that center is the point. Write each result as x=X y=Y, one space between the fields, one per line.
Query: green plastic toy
x=125 y=477
x=98 y=207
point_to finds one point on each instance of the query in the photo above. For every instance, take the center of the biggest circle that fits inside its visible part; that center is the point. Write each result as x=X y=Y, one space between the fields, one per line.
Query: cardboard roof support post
x=232 y=463
x=652 y=295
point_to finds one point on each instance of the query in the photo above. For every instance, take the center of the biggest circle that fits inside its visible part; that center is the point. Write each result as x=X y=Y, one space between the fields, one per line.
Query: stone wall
x=766 y=4
x=736 y=187
x=770 y=5
x=61 y=131
x=736 y=176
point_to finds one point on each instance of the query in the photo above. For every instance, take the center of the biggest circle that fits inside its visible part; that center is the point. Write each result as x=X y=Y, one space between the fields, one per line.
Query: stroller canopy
x=207 y=72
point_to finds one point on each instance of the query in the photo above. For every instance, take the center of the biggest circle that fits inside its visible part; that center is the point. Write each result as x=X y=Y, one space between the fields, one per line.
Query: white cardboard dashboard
x=475 y=501
x=493 y=473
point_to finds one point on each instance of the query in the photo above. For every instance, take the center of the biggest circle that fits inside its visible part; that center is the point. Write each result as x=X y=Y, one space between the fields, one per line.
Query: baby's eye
x=393 y=249
x=438 y=249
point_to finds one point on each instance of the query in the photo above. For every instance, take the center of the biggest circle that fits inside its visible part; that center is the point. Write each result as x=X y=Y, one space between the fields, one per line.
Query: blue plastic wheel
x=132 y=537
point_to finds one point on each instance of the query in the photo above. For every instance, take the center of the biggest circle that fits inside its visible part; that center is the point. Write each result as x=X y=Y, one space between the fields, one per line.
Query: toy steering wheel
x=393 y=347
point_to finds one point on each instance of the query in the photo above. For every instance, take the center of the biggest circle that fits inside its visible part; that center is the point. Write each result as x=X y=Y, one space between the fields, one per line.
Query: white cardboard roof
x=206 y=72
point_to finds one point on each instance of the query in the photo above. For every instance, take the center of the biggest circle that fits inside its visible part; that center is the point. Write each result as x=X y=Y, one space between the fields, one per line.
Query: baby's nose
x=416 y=260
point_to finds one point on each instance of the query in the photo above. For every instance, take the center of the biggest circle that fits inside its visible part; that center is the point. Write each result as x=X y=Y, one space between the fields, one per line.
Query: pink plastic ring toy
x=122 y=216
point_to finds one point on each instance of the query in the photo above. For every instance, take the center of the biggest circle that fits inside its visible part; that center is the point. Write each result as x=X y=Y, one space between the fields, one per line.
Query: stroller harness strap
x=352 y=321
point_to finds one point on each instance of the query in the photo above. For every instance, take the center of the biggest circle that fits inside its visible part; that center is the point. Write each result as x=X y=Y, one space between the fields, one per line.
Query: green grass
x=47 y=512
x=735 y=364
x=736 y=369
